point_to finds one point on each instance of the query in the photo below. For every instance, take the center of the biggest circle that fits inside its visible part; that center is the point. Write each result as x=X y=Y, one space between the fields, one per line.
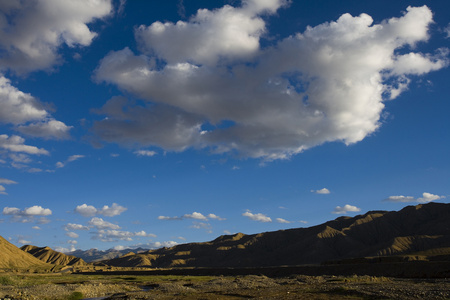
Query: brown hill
x=414 y=229
x=48 y=255
x=11 y=257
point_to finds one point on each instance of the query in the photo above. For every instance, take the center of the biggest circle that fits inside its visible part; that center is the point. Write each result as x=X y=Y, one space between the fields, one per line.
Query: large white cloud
x=32 y=31
x=209 y=83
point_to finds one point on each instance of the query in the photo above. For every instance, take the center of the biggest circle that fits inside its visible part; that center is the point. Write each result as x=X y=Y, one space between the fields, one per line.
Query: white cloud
x=167 y=244
x=426 y=197
x=69 y=159
x=36 y=29
x=109 y=211
x=36 y=227
x=100 y=224
x=47 y=129
x=65 y=250
x=73 y=242
x=2 y=190
x=215 y=217
x=257 y=217
x=86 y=210
x=19 y=108
x=72 y=226
x=7 y=181
x=72 y=234
x=145 y=153
x=112 y=211
x=116 y=235
x=347 y=208
x=36 y=211
x=225 y=92
x=15 y=143
x=27 y=212
x=24 y=242
x=323 y=191
x=194 y=215
x=283 y=221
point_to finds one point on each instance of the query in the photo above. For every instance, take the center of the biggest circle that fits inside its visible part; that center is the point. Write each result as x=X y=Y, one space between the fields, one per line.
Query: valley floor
x=73 y=286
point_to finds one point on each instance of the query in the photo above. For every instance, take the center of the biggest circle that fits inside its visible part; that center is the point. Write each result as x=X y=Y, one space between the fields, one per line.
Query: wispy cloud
x=426 y=197
x=145 y=153
x=194 y=215
x=323 y=191
x=69 y=159
x=257 y=217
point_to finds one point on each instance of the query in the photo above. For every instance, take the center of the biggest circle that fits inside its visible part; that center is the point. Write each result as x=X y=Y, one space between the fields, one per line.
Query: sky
x=154 y=123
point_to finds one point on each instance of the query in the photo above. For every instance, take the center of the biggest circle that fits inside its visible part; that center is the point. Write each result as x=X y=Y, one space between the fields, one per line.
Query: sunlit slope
x=48 y=255
x=11 y=257
x=415 y=229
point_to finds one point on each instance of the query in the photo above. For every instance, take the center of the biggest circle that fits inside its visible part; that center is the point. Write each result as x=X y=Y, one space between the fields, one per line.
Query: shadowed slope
x=378 y=233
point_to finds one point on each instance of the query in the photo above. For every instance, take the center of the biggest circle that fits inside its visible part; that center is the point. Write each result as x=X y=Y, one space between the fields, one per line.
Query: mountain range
x=422 y=230
x=419 y=232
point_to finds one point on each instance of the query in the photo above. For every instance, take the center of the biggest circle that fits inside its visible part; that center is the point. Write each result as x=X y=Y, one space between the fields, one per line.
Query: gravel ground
x=240 y=287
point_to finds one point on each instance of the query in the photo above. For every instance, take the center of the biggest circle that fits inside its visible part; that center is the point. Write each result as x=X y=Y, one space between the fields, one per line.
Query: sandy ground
x=233 y=287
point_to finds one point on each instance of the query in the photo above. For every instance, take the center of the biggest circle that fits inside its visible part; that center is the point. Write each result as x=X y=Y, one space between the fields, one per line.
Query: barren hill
x=11 y=257
x=415 y=229
x=93 y=255
x=48 y=255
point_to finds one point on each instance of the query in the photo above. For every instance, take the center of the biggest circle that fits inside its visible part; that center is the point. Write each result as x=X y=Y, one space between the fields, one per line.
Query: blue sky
x=126 y=123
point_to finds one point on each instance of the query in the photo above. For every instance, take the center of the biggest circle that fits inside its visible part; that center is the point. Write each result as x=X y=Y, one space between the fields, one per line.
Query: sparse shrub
x=75 y=296
x=7 y=280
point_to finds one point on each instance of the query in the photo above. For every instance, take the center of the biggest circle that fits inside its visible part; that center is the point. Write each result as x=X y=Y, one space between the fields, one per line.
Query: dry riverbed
x=73 y=287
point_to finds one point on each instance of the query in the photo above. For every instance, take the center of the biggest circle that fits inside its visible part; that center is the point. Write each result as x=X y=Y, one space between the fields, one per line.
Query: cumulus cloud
x=29 y=40
x=323 y=191
x=28 y=214
x=347 y=208
x=222 y=90
x=257 y=217
x=86 y=210
x=112 y=235
x=112 y=211
x=108 y=211
x=72 y=226
x=28 y=115
x=426 y=197
x=194 y=215
x=100 y=224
